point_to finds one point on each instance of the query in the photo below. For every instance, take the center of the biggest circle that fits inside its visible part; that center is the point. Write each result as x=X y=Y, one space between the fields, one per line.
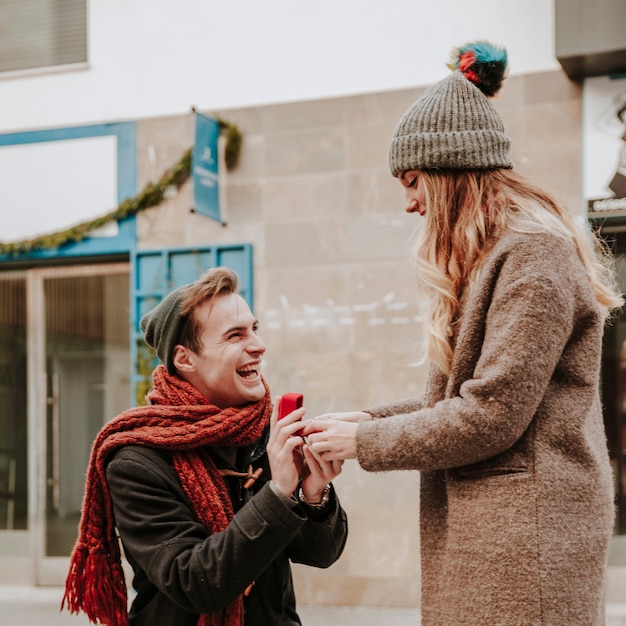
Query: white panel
x=49 y=186
x=147 y=60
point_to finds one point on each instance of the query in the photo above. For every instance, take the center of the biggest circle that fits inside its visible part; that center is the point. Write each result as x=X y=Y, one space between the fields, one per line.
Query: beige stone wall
x=333 y=280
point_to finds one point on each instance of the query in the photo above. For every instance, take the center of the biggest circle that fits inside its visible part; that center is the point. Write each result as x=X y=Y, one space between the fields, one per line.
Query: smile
x=249 y=371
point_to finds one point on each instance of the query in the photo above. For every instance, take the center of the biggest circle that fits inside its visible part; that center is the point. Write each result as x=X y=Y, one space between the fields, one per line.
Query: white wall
x=157 y=57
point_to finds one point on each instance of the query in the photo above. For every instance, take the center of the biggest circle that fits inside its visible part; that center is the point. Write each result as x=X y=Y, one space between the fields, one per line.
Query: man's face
x=227 y=371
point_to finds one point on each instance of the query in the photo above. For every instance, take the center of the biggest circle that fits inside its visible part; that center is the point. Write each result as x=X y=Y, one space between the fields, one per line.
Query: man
x=211 y=496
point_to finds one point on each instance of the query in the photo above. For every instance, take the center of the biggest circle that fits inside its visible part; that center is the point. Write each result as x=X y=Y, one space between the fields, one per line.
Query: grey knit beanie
x=454 y=125
x=162 y=325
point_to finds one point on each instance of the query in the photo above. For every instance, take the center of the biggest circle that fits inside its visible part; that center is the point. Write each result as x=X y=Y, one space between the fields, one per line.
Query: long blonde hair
x=466 y=211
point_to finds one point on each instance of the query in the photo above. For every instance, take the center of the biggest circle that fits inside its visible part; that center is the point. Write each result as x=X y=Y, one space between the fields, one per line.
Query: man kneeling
x=212 y=495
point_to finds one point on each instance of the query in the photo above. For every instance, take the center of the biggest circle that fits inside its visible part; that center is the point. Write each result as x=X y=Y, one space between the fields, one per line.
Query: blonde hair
x=466 y=211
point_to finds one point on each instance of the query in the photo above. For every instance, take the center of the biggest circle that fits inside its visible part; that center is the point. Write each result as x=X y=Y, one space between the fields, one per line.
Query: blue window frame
x=125 y=133
x=157 y=272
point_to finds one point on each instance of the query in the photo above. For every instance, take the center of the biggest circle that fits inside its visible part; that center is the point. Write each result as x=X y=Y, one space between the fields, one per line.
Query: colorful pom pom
x=482 y=63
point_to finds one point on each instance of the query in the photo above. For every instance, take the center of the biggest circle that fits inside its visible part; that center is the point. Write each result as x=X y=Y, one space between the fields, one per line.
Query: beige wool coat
x=516 y=488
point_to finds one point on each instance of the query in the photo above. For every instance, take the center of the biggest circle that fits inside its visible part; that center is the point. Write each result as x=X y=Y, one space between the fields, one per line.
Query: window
x=42 y=33
x=60 y=151
x=156 y=272
x=13 y=399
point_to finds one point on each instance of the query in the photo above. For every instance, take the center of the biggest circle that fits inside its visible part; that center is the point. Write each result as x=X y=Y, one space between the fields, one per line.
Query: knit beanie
x=162 y=325
x=454 y=125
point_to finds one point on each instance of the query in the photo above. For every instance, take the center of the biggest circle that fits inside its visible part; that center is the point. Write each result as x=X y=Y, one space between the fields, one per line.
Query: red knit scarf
x=179 y=419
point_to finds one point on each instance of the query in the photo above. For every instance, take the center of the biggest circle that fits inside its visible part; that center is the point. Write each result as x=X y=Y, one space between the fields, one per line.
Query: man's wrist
x=321 y=503
x=289 y=500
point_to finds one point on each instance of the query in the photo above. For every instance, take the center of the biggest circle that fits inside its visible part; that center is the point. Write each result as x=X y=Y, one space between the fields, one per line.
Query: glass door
x=81 y=349
x=13 y=420
x=614 y=396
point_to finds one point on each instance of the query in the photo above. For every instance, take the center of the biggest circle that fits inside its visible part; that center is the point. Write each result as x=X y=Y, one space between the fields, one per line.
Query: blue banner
x=204 y=168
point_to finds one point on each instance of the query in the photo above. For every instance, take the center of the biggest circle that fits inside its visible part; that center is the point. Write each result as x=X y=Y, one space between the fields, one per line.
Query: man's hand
x=318 y=472
x=284 y=450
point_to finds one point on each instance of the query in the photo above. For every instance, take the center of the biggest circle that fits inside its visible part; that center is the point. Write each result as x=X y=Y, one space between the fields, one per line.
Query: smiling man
x=201 y=483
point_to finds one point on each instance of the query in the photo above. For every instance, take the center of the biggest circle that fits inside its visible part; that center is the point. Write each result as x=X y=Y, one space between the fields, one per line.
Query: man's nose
x=257 y=345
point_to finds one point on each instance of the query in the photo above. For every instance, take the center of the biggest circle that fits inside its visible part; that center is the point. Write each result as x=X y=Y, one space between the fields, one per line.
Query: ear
x=183 y=359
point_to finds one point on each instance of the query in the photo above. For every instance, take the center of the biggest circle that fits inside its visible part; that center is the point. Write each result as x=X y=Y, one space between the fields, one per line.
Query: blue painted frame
x=126 y=135
x=156 y=272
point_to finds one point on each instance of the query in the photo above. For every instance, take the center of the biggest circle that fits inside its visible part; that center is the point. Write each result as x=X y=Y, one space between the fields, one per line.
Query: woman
x=516 y=488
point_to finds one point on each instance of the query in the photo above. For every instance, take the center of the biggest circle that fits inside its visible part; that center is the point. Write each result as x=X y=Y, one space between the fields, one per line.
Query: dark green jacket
x=180 y=573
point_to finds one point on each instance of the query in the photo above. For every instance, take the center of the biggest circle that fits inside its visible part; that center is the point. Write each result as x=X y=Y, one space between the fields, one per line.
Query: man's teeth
x=247 y=372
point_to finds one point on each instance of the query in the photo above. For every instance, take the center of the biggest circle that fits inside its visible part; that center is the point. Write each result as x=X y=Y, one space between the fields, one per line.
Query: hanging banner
x=204 y=168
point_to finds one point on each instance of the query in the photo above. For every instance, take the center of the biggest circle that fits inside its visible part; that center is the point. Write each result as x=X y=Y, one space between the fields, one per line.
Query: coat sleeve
x=409 y=405
x=163 y=537
x=322 y=539
x=513 y=351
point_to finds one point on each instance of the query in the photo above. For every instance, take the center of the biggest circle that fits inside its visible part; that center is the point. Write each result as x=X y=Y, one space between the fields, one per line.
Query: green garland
x=151 y=195
x=234 y=139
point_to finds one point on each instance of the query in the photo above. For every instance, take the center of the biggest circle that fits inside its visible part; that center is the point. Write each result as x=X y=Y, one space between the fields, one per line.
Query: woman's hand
x=332 y=439
x=346 y=416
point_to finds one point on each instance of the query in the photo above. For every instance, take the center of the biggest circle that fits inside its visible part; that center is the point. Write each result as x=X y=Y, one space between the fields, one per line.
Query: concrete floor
x=27 y=606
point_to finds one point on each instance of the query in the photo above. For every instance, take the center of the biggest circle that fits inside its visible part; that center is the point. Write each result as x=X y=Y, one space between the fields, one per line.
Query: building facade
x=314 y=224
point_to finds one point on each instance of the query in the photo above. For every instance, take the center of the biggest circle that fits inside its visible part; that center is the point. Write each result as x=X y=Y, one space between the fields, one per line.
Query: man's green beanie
x=162 y=325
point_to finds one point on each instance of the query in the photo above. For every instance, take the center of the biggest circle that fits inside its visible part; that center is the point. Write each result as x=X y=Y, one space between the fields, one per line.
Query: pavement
x=39 y=606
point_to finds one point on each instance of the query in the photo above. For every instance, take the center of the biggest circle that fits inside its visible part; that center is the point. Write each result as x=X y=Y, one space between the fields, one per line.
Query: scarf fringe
x=104 y=603
x=232 y=615
x=181 y=420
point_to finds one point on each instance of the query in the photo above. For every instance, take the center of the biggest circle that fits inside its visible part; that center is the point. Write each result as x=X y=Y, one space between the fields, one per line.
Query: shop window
x=13 y=400
x=614 y=382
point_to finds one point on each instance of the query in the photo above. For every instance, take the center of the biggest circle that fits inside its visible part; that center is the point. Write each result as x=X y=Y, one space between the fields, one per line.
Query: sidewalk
x=39 y=606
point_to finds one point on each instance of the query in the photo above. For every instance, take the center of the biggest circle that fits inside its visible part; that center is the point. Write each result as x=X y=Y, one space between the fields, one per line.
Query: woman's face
x=414 y=189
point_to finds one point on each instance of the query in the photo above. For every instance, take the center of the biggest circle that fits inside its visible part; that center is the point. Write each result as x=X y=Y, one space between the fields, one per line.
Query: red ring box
x=288 y=403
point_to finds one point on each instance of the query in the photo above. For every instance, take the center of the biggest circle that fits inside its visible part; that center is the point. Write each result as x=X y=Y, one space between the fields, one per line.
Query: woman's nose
x=411 y=204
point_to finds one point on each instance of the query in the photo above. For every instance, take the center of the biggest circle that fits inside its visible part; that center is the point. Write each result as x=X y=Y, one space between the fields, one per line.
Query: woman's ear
x=183 y=359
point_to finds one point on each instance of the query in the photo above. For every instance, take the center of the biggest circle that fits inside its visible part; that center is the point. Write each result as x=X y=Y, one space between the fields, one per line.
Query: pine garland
x=234 y=139
x=151 y=195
